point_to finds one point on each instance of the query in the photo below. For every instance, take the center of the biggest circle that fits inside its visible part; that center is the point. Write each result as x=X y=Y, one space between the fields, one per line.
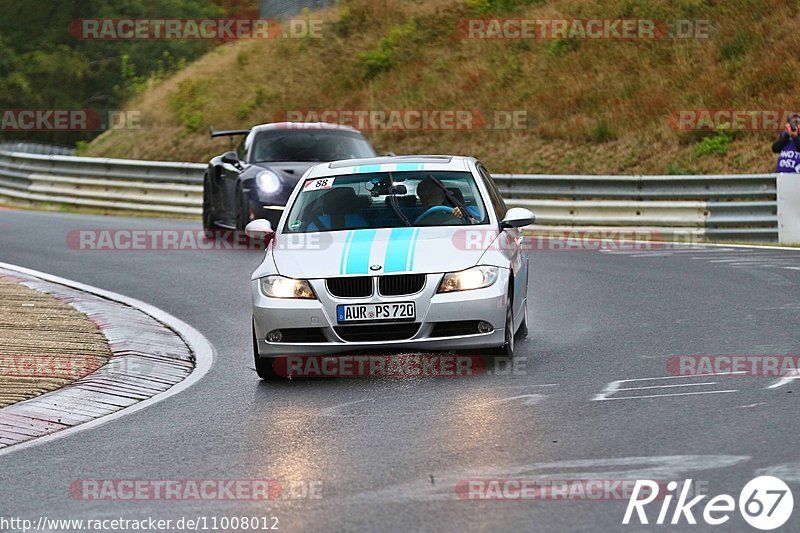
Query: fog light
x=274 y=336
x=484 y=327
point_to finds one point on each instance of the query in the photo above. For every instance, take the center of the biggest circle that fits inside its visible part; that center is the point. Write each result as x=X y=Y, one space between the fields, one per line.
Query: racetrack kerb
x=45 y=343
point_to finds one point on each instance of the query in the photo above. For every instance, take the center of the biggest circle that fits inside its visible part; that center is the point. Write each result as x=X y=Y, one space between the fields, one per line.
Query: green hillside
x=590 y=105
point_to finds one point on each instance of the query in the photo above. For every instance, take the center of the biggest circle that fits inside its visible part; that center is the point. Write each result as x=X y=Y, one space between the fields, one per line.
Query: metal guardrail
x=737 y=207
x=36 y=148
x=124 y=184
x=725 y=207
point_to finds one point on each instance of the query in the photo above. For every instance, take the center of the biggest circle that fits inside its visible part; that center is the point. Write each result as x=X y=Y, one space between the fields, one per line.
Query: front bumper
x=488 y=304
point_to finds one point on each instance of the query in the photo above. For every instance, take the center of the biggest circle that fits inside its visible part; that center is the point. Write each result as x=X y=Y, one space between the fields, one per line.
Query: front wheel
x=208 y=210
x=242 y=211
x=507 y=349
x=523 y=328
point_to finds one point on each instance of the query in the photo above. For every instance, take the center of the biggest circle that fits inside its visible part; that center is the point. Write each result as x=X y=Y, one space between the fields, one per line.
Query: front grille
x=378 y=332
x=401 y=284
x=455 y=328
x=358 y=287
x=302 y=335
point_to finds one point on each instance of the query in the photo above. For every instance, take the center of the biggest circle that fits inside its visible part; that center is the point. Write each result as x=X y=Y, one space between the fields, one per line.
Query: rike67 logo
x=765 y=503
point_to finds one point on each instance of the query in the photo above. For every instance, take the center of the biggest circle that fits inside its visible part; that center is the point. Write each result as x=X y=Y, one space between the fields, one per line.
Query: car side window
x=494 y=194
x=241 y=150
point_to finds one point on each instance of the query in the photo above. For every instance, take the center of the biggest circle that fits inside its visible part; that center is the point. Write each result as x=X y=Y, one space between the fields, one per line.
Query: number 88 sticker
x=317 y=184
x=766 y=502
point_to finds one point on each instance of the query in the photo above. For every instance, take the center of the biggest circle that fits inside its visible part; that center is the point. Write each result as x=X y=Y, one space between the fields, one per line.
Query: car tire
x=242 y=211
x=208 y=212
x=523 y=328
x=264 y=365
x=507 y=349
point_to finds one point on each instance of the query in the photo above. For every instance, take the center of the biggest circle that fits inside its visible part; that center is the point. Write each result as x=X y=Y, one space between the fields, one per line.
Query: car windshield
x=316 y=146
x=386 y=200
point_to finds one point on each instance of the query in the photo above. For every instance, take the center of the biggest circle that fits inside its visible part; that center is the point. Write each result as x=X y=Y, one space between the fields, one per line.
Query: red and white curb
x=155 y=356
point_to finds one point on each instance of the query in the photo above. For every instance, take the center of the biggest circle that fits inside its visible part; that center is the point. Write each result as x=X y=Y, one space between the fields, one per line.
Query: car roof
x=391 y=164
x=302 y=126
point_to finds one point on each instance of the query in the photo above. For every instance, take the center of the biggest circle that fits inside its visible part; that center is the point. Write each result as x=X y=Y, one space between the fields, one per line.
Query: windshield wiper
x=453 y=199
x=396 y=207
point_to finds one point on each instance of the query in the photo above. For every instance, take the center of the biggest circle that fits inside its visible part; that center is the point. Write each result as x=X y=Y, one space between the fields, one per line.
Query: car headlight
x=472 y=278
x=282 y=287
x=268 y=182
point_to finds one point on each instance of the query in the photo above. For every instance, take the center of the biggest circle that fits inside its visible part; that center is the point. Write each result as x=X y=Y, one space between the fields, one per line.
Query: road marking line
x=331 y=411
x=665 y=395
x=783 y=381
x=616 y=386
x=678 y=377
x=533 y=399
x=528 y=386
x=672 y=386
x=609 y=389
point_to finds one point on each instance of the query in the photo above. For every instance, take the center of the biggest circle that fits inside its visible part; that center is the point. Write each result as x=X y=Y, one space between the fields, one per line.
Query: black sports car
x=255 y=180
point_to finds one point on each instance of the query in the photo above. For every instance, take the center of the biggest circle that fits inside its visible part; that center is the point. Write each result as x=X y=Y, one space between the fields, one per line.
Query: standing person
x=788 y=146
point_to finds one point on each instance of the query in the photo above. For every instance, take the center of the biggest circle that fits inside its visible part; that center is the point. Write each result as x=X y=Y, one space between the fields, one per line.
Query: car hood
x=289 y=173
x=360 y=252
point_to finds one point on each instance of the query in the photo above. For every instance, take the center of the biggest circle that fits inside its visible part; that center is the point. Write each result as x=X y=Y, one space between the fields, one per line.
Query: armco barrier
x=727 y=207
x=149 y=186
x=739 y=207
x=35 y=148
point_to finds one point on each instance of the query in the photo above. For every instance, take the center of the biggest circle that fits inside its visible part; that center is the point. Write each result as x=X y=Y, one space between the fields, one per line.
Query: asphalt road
x=389 y=453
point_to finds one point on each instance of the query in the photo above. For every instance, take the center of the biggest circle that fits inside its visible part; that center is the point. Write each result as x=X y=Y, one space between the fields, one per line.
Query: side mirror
x=232 y=159
x=390 y=154
x=259 y=228
x=517 y=217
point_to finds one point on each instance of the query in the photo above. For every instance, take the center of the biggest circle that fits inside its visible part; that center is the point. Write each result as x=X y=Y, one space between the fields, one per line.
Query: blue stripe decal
x=344 y=251
x=401 y=167
x=413 y=249
x=397 y=251
x=360 y=247
x=366 y=169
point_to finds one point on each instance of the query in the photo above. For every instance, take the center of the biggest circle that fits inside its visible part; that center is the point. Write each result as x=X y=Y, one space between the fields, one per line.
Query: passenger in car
x=340 y=208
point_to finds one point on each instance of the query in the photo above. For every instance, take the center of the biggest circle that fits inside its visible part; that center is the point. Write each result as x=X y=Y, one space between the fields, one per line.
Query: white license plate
x=399 y=311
